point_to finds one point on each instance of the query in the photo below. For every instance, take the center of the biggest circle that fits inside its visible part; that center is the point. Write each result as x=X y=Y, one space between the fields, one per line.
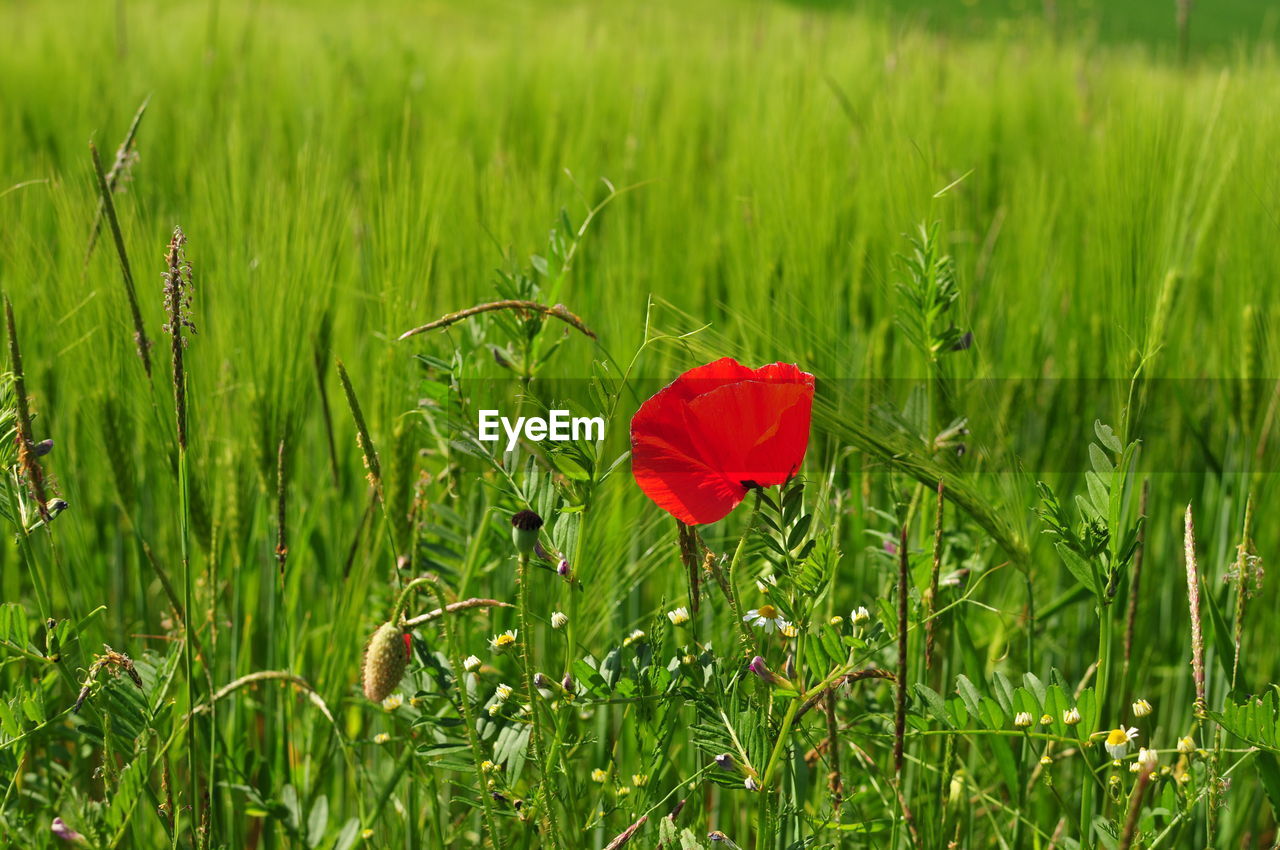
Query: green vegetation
x=1079 y=348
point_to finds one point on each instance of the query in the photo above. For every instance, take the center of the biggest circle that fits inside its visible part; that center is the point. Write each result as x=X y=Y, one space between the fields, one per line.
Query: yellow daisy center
x=768 y=612
x=1117 y=737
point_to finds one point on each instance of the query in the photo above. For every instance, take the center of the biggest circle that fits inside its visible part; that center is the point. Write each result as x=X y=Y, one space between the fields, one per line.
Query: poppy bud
x=384 y=662
x=524 y=531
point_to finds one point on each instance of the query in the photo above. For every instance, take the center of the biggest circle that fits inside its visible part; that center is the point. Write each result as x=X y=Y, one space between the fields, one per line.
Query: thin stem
x=464 y=705
x=535 y=737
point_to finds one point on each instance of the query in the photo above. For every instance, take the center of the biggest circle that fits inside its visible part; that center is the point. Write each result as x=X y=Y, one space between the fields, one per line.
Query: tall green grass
x=343 y=175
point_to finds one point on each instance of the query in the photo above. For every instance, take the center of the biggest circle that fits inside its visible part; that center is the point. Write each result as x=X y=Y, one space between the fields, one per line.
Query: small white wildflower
x=1148 y=758
x=750 y=784
x=599 y=775
x=488 y=766
x=638 y=634
x=788 y=630
x=559 y=620
x=503 y=642
x=1186 y=745
x=393 y=702
x=494 y=709
x=623 y=790
x=503 y=692
x=639 y=779
x=1141 y=708
x=1071 y=716
x=1045 y=720
x=860 y=615
x=1117 y=742
x=1023 y=719
x=765 y=617
x=381 y=738
x=471 y=664
x=679 y=616
x=836 y=620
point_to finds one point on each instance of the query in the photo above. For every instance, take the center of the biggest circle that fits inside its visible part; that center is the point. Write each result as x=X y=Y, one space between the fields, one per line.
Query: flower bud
x=562 y=569
x=42 y=448
x=60 y=830
x=766 y=675
x=724 y=761
x=524 y=531
x=384 y=662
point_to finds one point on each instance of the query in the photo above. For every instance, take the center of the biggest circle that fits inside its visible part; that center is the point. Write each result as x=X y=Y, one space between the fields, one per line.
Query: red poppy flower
x=718 y=430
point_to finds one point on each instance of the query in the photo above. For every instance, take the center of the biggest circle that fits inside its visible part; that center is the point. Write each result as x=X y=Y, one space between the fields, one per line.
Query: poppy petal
x=700 y=442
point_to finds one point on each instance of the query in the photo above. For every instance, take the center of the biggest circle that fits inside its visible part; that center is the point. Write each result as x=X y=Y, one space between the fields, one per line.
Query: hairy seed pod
x=384 y=662
x=524 y=531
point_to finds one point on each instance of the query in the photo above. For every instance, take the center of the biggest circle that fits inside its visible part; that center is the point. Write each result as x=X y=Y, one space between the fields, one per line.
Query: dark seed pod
x=524 y=531
x=384 y=662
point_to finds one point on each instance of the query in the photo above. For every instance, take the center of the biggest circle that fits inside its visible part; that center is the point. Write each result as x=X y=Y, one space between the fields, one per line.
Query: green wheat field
x=1014 y=597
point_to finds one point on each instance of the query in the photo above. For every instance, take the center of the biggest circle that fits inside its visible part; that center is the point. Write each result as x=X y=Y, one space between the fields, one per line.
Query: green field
x=691 y=180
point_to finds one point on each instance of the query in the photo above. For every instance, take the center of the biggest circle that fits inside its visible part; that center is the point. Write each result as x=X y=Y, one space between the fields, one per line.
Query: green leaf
x=1107 y=436
x=968 y=693
x=1268 y=767
x=936 y=706
x=1078 y=567
x=1101 y=463
x=318 y=821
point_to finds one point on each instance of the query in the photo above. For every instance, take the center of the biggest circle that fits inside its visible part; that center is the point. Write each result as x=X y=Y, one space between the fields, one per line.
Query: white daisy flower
x=381 y=738
x=503 y=642
x=679 y=616
x=1023 y=719
x=1148 y=758
x=766 y=617
x=393 y=702
x=1117 y=742
x=1186 y=745
x=503 y=692
x=472 y=664
x=860 y=615
x=559 y=620
x=638 y=634
x=1071 y=716
x=1141 y=708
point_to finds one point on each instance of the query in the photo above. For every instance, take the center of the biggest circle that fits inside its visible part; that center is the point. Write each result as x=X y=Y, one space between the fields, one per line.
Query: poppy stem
x=734 y=602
